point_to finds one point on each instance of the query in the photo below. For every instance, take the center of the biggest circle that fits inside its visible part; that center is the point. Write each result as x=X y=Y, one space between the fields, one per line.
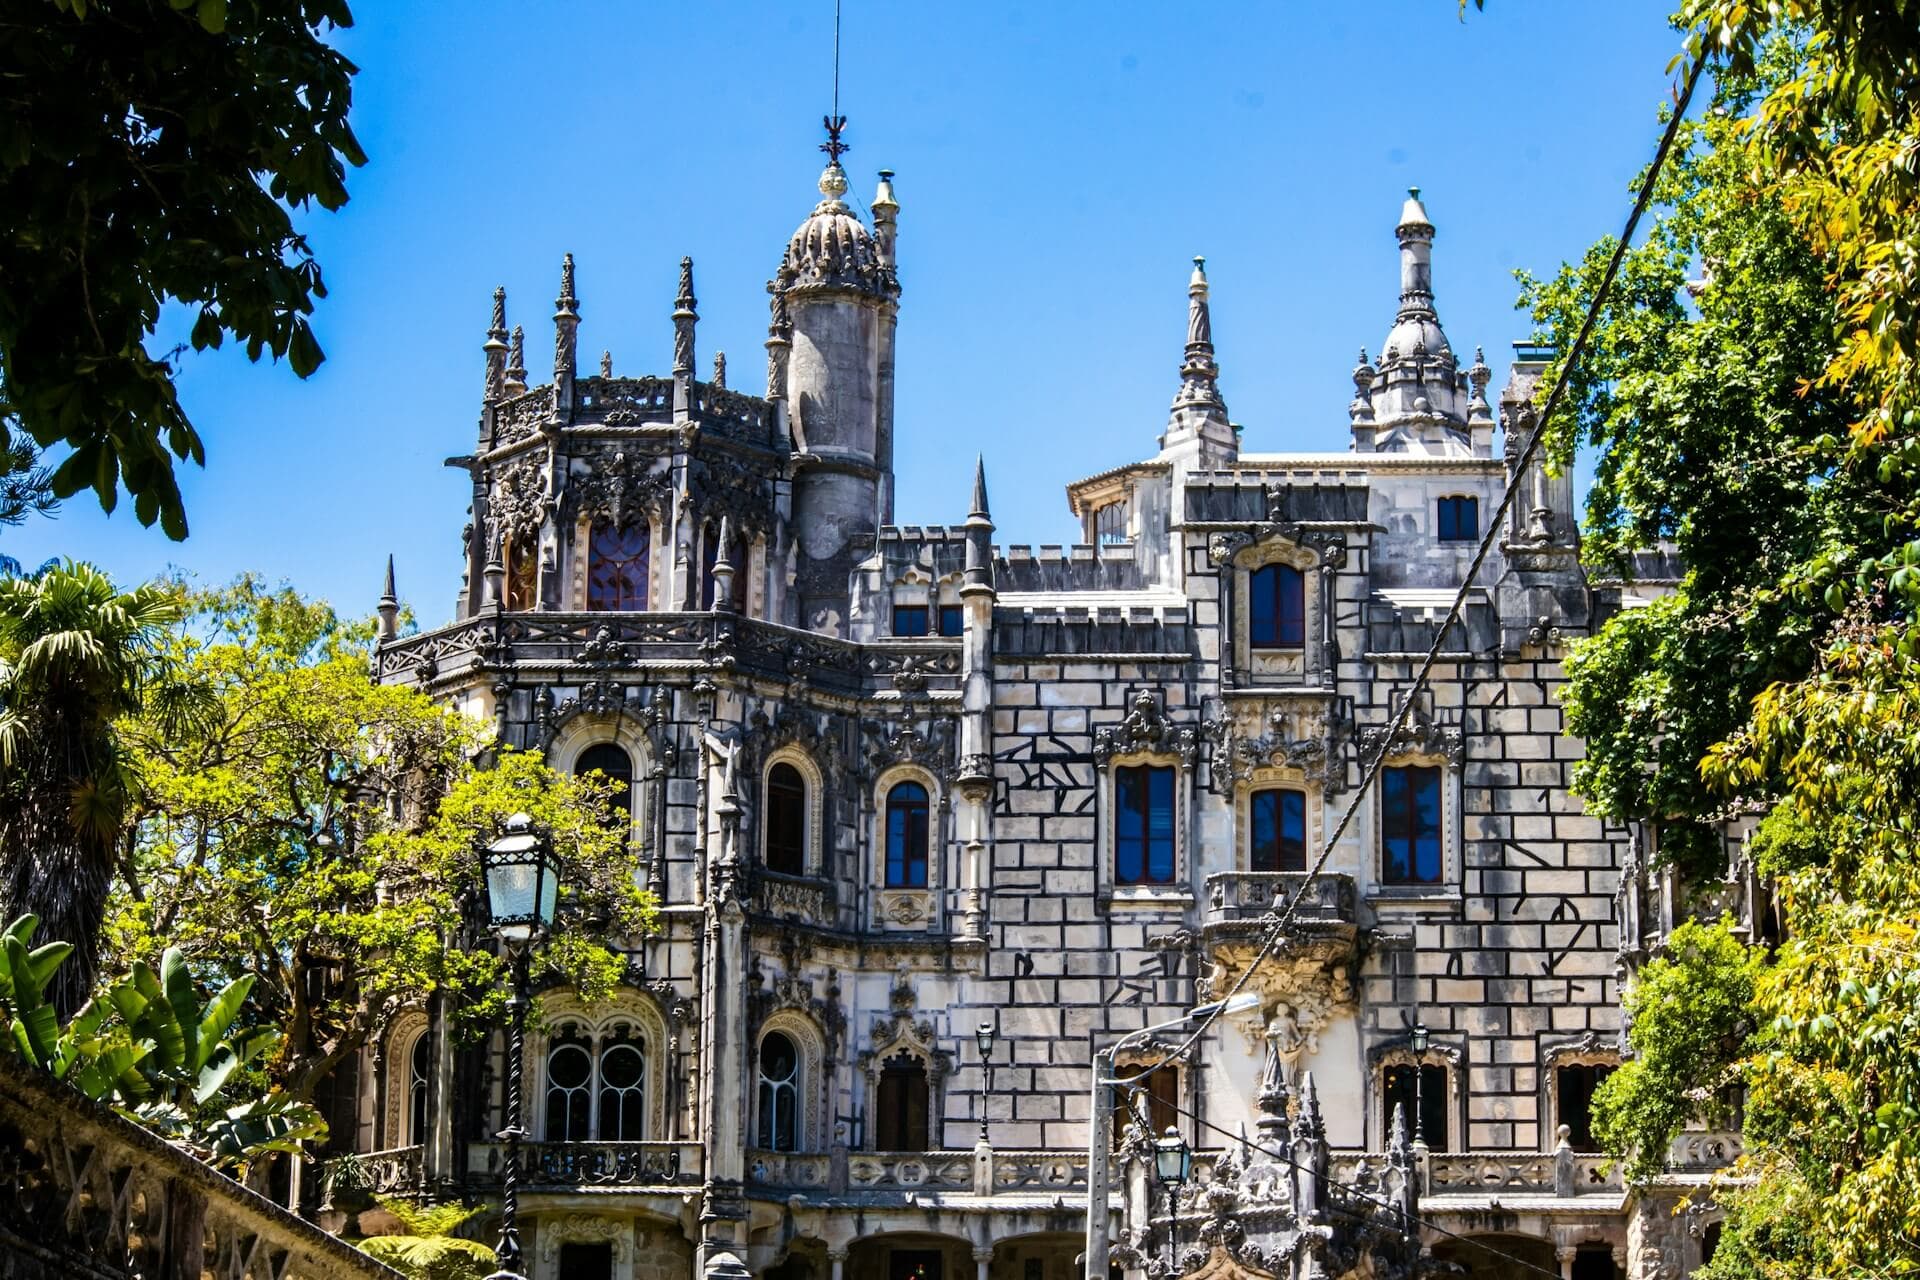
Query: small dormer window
x=1459 y=518
x=910 y=620
x=1277 y=607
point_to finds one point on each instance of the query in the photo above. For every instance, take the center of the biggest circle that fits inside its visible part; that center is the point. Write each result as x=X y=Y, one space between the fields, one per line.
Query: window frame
x=954 y=613
x=894 y=1068
x=1153 y=771
x=1254 y=796
x=765 y=1089
x=918 y=613
x=1436 y=1099
x=1412 y=880
x=643 y=527
x=924 y=805
x=776 y=797
x=1290 y=586
x=1448 y=508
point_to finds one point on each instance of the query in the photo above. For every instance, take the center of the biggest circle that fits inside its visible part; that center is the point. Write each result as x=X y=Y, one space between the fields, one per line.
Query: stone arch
x=588 y=729
x=915 y=908
x=814 y=861
x=813 y=1086
x=627 y=1009
x=1398 y=1052
x=396 y=1062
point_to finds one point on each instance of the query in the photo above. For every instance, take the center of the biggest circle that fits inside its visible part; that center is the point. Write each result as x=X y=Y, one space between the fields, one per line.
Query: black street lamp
x=1172 y=1164
x=1418 y=1042
x=523 y=887
x=983 y=1036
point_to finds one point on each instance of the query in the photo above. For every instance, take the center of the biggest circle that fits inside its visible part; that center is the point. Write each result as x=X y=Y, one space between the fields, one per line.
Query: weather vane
x=833 y=146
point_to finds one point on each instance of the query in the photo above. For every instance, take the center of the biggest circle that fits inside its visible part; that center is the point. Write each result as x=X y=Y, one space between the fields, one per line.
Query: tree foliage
x=76 y=656
x=155 y=151
x=155 y=1050
x=1754 y=398
x=318 y=833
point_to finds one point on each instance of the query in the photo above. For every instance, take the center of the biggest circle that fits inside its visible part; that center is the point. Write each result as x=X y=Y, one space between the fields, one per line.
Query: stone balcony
x=899 y=1177
x=577 y=1166
x=1238 y=901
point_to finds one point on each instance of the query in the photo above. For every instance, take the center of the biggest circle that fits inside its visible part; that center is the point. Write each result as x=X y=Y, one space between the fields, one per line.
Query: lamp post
x=1172 y=1163
x=983 y=1036
x=523 y=888
x=1418 y=1042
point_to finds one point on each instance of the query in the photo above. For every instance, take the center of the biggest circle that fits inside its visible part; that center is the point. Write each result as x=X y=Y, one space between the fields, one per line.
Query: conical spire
x=1199 y=374
x=1416 y=257
x=979 y=563
x=980 y=488
x=723 y=567
x=389 y=607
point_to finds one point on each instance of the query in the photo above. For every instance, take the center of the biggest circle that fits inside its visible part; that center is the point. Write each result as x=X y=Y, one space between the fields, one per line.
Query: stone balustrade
x=548 y=1166
x=1236 y=896
x=398 y=1171
x=84 y=1192
x=980 y=1171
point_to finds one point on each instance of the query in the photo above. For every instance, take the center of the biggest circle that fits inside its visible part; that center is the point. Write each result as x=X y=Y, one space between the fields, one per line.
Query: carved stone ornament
x=1303 y=988
x=724 y=486
x=1286 y=738
x=620 y=490
x=901 y=742
x=1421 y=734
x=585 y=1228
x=519 y=498
x=901 y=1033
x=793 y=990
x=1330 y=545
x=1146 y=730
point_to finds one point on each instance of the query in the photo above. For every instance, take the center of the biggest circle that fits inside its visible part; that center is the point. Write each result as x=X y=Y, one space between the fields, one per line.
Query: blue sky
x=1058 y=165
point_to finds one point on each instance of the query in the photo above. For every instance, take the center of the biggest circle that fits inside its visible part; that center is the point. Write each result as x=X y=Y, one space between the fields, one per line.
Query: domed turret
x=833 y=249
x=1418 y=403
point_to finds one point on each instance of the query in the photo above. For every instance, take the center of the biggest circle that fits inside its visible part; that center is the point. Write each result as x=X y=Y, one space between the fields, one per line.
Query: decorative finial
x=979 y=487
x=566 y=301
x=499 y=324
x=833 y=146
x=495 y=346
x=720 y=370
x=1199 y=374
x=684 y=318
x=517 y=361
x=723 y=567
x=606 y=364
x=883 y=200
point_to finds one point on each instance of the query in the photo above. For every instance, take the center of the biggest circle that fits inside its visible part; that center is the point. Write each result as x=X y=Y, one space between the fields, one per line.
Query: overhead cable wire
x=1278 y=928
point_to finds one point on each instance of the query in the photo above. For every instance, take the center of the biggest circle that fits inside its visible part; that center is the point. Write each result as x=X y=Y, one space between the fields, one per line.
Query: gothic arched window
x=779 y=1127
x=1277 y=607
x=623 y=1103
x=786 y=830
x=1277 y=838
x=569 y=1091
x=900 y=1105
x=613 y=763
x=907 y=836
x=617 y=566
x=419 y=1069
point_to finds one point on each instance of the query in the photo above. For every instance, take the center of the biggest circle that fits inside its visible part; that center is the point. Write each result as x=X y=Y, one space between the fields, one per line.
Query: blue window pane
x=1410 y=825
x=907 y=836
x=909 y=619
x=952 y=620
x=1459 y=519
x=1279 y=836
x=1277 y=607
x=1143 y=834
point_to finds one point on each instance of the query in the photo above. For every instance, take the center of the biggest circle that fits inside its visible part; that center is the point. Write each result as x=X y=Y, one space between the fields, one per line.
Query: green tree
x=156 y=150
x=76 y=655
x=428 y=1248
x=318 y=833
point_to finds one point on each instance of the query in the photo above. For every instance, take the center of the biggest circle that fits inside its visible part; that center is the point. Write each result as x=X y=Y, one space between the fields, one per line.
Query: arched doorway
x=910 y=1257
x=1500 y=1257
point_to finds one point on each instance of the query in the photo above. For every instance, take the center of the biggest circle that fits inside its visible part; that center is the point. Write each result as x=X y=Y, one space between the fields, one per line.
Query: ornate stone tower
x=835 y=300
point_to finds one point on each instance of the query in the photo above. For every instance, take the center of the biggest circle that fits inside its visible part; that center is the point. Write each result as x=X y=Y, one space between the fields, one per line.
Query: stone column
x=982 y=1261
x=1566 y=1254
x=837 y=1259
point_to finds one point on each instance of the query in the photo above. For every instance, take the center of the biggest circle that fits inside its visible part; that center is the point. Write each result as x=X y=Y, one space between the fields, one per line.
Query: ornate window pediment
x=1146 y=730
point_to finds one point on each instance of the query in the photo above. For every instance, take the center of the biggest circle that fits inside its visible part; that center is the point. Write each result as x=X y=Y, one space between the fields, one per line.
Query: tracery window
x=419 y=1071
x=1277 y=834
x=1277 y=607
x=900 y=1105
x=596 y=1090
x=907 y=829
x=779 y=1093
x=569 y=1090
x=523 y=568
x=786 y=820
x=1410 y=825
x=612 y=762
x=1143 y=824
x=618 y=560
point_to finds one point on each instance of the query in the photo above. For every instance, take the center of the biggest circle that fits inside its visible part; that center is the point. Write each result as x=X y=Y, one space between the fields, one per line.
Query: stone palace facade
x=892 y=782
